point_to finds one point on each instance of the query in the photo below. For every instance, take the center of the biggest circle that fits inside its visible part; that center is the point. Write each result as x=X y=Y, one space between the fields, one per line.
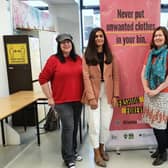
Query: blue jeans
x=70 y=116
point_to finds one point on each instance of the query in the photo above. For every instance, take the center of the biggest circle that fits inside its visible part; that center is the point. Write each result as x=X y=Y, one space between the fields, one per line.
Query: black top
x=101 y=63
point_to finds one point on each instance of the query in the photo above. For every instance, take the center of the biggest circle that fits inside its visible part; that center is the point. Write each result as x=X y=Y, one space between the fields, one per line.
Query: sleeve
x=47 y=72
x=87 y=83
x=116 y=83
x=167 y=66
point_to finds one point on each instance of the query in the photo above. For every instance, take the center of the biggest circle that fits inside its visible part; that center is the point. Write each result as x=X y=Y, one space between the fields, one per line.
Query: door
x=18 y=63
x=19 y=74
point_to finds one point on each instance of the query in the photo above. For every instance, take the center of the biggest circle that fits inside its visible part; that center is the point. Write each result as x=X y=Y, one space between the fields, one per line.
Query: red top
x=66 y=79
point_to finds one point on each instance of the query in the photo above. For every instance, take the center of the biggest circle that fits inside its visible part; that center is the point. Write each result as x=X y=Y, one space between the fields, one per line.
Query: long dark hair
x=165 y=33
x=60 y=55
x=91 y=50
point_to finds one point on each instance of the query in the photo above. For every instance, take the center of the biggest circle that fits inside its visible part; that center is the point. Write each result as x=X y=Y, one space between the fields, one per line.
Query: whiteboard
x=35 y=59
x=48 y=45
x=4 y=90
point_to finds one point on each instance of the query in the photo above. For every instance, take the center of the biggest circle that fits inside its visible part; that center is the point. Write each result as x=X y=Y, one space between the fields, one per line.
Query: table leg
x=24 y=119
x=3 y=133
x=37 y=123
x=6 y=120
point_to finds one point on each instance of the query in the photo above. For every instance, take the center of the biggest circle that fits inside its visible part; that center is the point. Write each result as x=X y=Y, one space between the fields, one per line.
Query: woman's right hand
x=114 y=102
x=146 y=90
x=93 y=104
x=51 y=101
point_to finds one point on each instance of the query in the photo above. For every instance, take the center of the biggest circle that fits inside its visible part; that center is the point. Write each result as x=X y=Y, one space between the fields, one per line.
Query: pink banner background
x=129 y=25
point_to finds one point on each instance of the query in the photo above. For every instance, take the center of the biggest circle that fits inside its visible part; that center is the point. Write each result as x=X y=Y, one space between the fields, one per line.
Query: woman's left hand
x=114 y=102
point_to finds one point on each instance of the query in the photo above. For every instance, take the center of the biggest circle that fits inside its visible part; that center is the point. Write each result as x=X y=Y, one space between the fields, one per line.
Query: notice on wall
x=17 y=53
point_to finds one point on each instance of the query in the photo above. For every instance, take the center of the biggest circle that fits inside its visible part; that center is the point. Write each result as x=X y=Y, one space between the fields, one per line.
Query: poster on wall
x=17 y=53
x=129 y=27
x=27 y=17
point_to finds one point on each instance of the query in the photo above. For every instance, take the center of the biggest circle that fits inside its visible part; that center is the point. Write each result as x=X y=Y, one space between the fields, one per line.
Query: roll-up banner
x=129 y=26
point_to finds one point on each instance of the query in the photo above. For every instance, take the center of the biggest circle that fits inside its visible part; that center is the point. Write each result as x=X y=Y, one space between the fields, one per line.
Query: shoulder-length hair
x=60 y=54
x=165 y=33
x=91 y=49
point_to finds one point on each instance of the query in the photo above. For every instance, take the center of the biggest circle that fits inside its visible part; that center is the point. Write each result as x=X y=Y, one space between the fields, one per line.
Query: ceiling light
x=36 y=3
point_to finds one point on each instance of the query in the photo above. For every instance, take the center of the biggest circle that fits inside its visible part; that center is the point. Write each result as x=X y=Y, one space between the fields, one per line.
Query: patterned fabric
x=155 y=73
x=156 y=110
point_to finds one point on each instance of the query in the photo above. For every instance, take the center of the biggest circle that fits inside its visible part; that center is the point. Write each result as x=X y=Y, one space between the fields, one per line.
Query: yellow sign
x=17 y=53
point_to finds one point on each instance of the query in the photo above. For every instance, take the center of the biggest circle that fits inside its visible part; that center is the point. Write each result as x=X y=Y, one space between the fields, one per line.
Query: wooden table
x=13 y=103
x=17 y=101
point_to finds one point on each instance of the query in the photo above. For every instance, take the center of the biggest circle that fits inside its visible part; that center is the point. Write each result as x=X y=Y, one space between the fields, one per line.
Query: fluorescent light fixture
x=36 y=3
x=77 y=1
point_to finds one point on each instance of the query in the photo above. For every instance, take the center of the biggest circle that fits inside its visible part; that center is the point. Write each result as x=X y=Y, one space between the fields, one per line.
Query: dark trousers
x=70 y=116
x=162 y=139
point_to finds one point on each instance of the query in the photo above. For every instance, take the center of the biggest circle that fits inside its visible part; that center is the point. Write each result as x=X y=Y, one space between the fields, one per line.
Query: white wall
x=47 y=47
x=5 y=29
x=5 y=20
x=164 y=19
x=4 y=91
x=66 y=19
